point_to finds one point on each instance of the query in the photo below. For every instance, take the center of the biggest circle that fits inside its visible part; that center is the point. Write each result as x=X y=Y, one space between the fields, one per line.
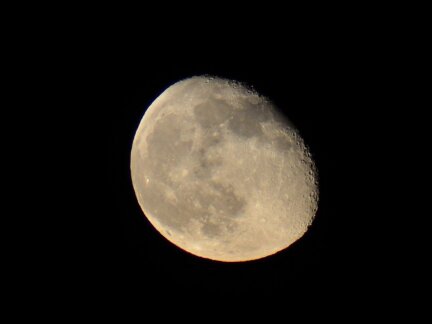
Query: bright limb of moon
x=221 y=173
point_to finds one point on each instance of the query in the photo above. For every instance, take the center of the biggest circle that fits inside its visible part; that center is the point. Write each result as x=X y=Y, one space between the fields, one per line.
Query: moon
x=221 y=173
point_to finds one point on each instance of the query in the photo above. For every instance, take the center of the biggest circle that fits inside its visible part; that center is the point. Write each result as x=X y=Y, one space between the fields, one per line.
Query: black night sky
x=81 y=79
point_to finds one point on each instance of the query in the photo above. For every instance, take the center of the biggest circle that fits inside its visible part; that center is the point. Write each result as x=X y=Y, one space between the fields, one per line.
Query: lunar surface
x=221 y=173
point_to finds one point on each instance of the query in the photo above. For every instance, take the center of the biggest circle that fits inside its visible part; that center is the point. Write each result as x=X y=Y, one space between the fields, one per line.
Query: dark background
x=82 y=86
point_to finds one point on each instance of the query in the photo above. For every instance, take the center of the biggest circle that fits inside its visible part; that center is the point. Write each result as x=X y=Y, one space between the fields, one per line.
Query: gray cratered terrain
x=221 y=173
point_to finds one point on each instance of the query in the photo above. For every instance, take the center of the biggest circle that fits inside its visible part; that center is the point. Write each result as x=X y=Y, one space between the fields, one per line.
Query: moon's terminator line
x=221 y=173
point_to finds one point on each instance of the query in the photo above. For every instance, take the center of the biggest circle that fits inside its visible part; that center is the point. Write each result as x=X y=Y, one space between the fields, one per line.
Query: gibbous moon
x=221 y=173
